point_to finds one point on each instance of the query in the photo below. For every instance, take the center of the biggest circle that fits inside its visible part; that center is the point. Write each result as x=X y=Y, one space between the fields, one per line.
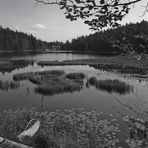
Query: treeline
x=131 y=36
x=17 y=41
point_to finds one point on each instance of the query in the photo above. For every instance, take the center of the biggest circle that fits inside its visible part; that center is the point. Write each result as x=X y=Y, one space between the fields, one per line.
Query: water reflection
x=110 y=86
x=10 y=65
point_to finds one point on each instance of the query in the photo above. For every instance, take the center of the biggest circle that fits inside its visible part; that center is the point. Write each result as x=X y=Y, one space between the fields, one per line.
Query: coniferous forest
x=17 y=41
x=110 y=41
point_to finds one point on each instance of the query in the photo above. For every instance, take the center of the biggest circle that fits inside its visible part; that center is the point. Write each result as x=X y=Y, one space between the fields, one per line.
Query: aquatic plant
x=53 y=82
x=75 y=128
x=137 y=132
x=29 y=75
x=92 y=81
x=126 y=69
x=75 y=76
x=115 y=85
x=22 y=76
x=133 y=70
x=111 y=86
x=6 y=85
x=57 y=85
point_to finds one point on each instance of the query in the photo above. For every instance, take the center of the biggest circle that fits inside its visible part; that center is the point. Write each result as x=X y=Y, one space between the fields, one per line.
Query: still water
x=110 y=102
x=90 y=98
x=113 y=102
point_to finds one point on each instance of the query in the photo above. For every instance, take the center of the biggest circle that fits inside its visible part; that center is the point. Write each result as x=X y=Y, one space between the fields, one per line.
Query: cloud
x=38 y=27
x=57 y=29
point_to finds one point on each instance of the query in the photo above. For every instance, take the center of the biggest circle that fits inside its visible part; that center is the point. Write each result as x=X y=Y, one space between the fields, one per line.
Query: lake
x=113 y=103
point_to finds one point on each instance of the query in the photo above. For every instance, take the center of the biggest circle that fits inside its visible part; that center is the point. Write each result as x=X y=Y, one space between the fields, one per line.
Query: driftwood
x=5 y=143
x=31 y=131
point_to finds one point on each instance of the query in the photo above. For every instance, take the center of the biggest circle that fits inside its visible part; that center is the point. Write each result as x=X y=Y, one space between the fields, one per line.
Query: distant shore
x=113 y=60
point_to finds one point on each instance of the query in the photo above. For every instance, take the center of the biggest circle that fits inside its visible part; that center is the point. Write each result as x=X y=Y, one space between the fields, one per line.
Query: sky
x=48 y=22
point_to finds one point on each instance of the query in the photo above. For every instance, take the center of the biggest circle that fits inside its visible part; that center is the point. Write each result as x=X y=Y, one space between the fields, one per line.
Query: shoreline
x=124 y=61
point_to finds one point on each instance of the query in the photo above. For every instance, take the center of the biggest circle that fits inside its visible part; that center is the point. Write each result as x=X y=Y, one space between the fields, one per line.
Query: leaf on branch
x=82 y=8
x=86 y=22
x=70 y=10
x=78 y=1
x=102 y=2
x=62 y=7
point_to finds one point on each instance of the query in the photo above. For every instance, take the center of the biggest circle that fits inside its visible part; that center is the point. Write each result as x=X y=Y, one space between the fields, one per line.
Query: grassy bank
x=114 y=60
x=122 y=64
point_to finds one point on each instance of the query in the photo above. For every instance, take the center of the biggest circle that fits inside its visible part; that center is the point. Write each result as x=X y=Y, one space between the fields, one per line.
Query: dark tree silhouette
x=18 y=41
x=96 y=13
x=130 y=38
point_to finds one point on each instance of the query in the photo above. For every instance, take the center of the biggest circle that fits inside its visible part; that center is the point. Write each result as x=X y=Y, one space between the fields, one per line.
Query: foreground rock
x=53 y=82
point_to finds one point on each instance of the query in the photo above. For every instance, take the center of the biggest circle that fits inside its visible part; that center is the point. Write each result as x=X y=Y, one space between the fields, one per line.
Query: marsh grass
x=22 y=76
x=115 y=86
x=125 y=69
x=30 y=75
x=5 y=85
x=111 y=86
x=53 y=82
x=75 y=76
x=58 y=85
x=70 y=128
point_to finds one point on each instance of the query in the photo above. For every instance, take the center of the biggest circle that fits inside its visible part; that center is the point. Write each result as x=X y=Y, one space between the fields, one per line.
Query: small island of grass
x=53 y=82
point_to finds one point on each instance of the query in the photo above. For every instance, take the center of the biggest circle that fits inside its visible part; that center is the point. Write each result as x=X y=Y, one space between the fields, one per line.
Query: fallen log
x=6 y=143
x=31 y=131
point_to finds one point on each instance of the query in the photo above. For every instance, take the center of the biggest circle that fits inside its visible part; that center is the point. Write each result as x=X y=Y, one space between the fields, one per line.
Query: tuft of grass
x=111 y=86
x=115 y=86
x=75 y=76
x=31 y=75
x=125 y=69
x=5 y=85
x=58 y=86
x=53 y=82
x=92 y=81
x=22 y=76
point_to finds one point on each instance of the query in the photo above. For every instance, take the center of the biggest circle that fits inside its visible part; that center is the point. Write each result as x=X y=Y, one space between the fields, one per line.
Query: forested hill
x=17 y=41
x=131 y=35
